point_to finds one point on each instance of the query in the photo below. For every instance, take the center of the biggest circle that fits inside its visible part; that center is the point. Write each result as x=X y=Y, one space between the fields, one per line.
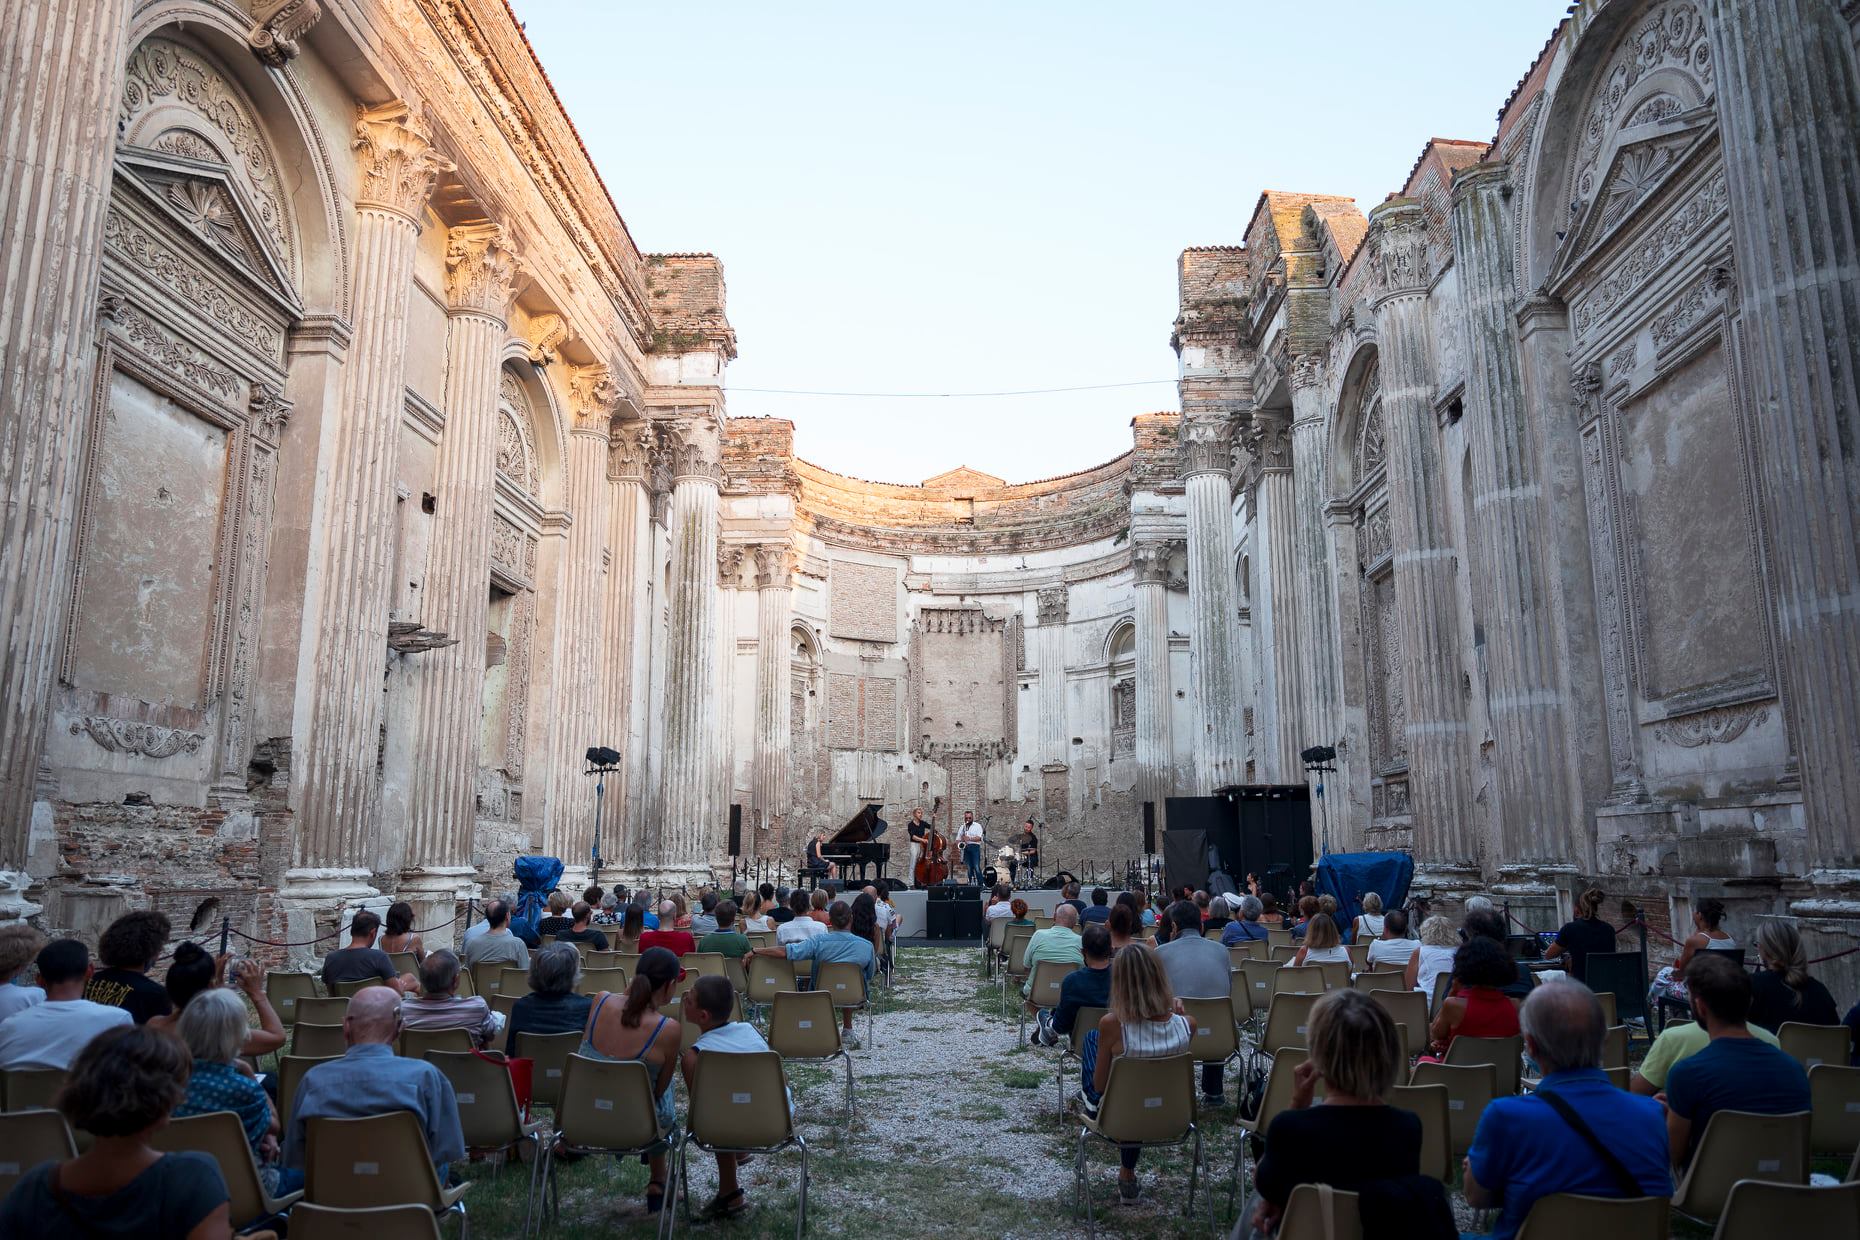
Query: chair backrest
x=1017 y=939
x=1609 y=1006
x=467 y=989
x=221 y=1136
x=1336 y=974
x=317 y=1041
x=1243 y=951
x=997 y=933
x=415 y=1043
x=1407 y=1008
x=802 y=1025
x=406 y=1222
x=28 y=1138
x=1148 y=1100
x=1429 y=1102
x=769 y=977
x=486 y=974
x=513 y=981
x=26 y=1088
x=346 y=989
x=1834 y=1109
x=704 y=964
x=739 y=1101
x=734 y=969
x=1469 y=1088
x=1615 y=1047
x=843 y=980
x=551 y=1052
x=1280 y=953
x=1305 y=1214
x=1278 y=936
x=1213 y=932
x=1083 y=1022
x=1443 y=986
x=323 y=1011
x=1505 y=1054
x=286 y=991
x=291 y=1069
x=486 y=1098
x=1758 y=1211
x=1620 y=1078
x=607 y=1105
x=1215 y=1039
x=1239 y=996
x=1359 y=956
x=594 y=981
x=1815 y=1044
x=1624 y=975
x=379 y=1160
x=1259 y=976
x=404 y=962
x=1561 y=1215
x=1048 y=976
x=1286 y=1022
x=1740 y=1145
x=1367 y=982
x=625 y=960
x=503 y=1005
x=1305 y=979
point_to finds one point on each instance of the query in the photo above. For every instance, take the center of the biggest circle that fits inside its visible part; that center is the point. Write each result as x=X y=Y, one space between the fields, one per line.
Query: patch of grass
x=1023 y=1078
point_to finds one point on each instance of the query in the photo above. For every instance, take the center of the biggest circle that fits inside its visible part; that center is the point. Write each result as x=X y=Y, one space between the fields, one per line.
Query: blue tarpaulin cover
x=536 y=878
x=1349 y=876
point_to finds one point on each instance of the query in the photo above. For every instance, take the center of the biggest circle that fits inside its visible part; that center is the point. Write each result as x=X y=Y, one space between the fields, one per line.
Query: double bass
x=933 y=866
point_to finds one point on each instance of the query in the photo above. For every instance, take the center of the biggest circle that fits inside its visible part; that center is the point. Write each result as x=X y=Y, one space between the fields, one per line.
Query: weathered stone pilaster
x=774 y=604
x=1053 y=608
x=1154 y=752
x=1269 y=441
x=1320 y=689
x=689 y=701
x=1219 y=750
x=624 y=627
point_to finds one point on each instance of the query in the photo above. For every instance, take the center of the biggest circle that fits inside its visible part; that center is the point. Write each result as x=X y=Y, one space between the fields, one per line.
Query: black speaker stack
x=736 y=830
x=953 y=911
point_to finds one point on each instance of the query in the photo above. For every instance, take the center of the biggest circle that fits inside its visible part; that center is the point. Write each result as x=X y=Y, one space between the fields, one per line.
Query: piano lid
x=862 y=826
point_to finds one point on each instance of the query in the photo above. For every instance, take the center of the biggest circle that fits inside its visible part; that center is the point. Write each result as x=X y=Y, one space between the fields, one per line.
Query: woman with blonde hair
x=1322 y=943
x=1144 y=1020
x=1368 y=924
x=1782 y=991
x=1440 y=943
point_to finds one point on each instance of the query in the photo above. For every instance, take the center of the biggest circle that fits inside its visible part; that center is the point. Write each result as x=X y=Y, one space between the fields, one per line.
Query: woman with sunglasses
x=634 y=1030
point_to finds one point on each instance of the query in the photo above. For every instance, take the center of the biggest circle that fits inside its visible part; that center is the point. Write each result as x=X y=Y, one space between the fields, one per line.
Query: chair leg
x=1233 y=1185
x=849 y=1088
x=1194 y=1174
x=800 y=1225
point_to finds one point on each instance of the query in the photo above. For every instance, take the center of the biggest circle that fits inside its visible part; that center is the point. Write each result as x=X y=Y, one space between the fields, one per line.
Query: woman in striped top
x=1145 y=1021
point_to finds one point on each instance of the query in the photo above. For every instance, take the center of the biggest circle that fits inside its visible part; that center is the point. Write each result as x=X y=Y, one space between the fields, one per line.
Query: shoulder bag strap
x=1625 y=1180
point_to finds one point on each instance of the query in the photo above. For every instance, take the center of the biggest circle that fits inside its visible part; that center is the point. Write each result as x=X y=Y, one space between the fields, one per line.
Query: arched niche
x=529 y=406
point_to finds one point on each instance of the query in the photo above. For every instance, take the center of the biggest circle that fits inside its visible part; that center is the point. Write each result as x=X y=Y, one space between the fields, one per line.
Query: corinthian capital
x=629 y=453
x=1054 y=604
x=1307 y=372
x=398 y=163
x=481 y=270
x=1397 y=244
x=729 y=564
x=1207 y=446
x=774 y=566
x=276 y=27
x=1269 y=439
x=1150 y=562
x=592 y=394
x=692 y=453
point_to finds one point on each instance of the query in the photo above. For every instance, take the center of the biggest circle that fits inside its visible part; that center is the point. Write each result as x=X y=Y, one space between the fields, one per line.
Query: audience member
x=1439 y=944
x=1003 y=905
x=193 y=973
x=483 y=925
x=400 y=935
x=1122 y=926
x=1489 y=924
x=362 y=960
x=864 y=923
x=780 y=912
x=1245 y=928
x=817 y=902
x=1058 y=942
x=1018 y=907
x=1477 y=1006
x=837 y=944
x=1198 y=968
x=1736 y=1072
x=681 y=915
x=1142 y=1020
x=1586 y=933
x=704 y=921
x=49 y=1034
x=885 y=913
x=645 y=901
x=580 y=931
x=1220 y=914
x=1307 y=909
x=1707 y=934
x=1084 y=987
x=632 y=924
x=755 y=915
x=557 y=920
x=370 y=1079
x=1394 y=947
x=1679 y=1040
x=1782 y=990
x=214 y=1028
x=552 y=1005
x=1099 y=911
x=440 y=1006
x=636 y=1032
x=19 y=943
x=727 y=939
x=1322 y=943
x=800 y=926
x=596 y=899
x=1269 y=914
x=676 y=941
x=1327 y=906
x=127 y=950
x=1368 y=923
x=121 y=1089
x=1069 y=894
x=709 y=1005
x=1576 y=1133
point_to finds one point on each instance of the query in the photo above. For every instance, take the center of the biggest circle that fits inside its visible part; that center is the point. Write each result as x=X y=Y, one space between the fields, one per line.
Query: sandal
x=655 y=1196
x=726 y=1206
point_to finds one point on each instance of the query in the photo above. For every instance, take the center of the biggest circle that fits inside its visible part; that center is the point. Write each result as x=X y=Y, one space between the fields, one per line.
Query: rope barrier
x=1836 y=956
x=228 y=928
x=252 y=938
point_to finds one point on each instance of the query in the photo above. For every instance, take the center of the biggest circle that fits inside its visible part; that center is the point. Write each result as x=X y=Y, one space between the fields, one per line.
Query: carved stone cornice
x=592 y=395
x=399 y=165
x=1268 y=440
x=1397 y=244
x=1541 y=312
x=1054 y=604
x=1307 y=372
x=1494 y=176
x=774 y=566
x=1207 y=446
x=546 y=334
x=481 y=270
x=276 y=27
x=1149 y=562
x=630 y=449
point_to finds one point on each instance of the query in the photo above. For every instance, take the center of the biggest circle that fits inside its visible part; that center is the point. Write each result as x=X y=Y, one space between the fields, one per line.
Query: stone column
x=480 y=273
x=690 y=704
x=774 y=605
x=1790 y=110
x=578 y=690
x=730 y=558
x=1053 y=609
x=1207 y=445
x=1539 y=806
x=1155 y=757
x=629 y=569
x=1320 y=687
x=61 y=79
x=1439 y=752
x=1269 y=440
x=336 y=803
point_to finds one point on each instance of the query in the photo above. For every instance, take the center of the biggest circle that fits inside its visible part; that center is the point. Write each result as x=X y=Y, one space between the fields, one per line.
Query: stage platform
x=912 y=918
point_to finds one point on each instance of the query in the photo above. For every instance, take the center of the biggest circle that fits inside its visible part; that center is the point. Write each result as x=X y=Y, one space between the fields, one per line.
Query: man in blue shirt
x=1087 y=986
x=1100 y=909
x=1245 y=928
x=1735 y=1071
x=838 y=943
x=1525 y=1149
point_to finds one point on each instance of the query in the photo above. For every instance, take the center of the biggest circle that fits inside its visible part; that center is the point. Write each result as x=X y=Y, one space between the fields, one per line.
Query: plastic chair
x=1369 y=982
x=1336 y=974
x=345 y=990
x=1245 y=950
x=1429 y=1102
x=1286 y=1022
x=1505 y=1054
x=291 y=1069
x=551 y=1052
x=1281 y=953
x=1259 y=975
x=1278 y=936
x=1443 y=986
x=286 y=991
x=513 y=981
x=221 y=1136
x=1359 y=956
x=318 y=1041
x=486 y=974
x=415 y=1043
x=1834 y=1109
x=1276 y=1097
x=1620 y=1078
x=1615 y=1047
x=1320 y=1212
x=1146 y=1103
x=803 y=1027
x=1014 y=958
x=1609 y=1008
x=1757 y=1210
x=1239 y=998
x=489 y=1115
x=768 y=977
x=503 y=1005
x=379 y=1160
x=594 y=981
x=1083 y=1021
x=1306 y=979
x=26 y=1089
x=1739 y=1145
x=1043 y=990
x=1216 y=1040
x=607 y=1108
x=739 y=1105
x=332 y=1010
x=1469 y=1088
x=996 y=941
x=1561 y=1215
x=1815 y=1044
x=704 y=964
x=404 y=962
x=28 y=1138
x=734 y=969
x=1407 y=1008
x=466 y=990
x=842 y=980
x=407 y=1222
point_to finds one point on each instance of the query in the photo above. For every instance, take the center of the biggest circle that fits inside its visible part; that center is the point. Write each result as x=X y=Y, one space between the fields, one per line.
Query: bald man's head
x=1563 y=1026
x=667 y=909
x=1066 y=915
x=374 y=1016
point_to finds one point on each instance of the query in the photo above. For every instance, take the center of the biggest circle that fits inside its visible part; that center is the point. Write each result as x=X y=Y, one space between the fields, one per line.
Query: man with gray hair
x=1578 y=1133
x=439 y=1005
x=1245 y=927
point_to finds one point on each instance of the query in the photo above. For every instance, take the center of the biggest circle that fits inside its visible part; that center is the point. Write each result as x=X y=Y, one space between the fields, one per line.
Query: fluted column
x=689 y=702
x=1269 y=440
x=1051 y=636
x=1439 y=749
x=480 y=272
x=730 y=558
x=336 y=802
x=1155 y=756
x=774 y=604
x=629 y=545
x=1320 y=687
x=61 y=78
x=1538 y=810
x=1790 y=111
x=1207 y=454
x=569 y=833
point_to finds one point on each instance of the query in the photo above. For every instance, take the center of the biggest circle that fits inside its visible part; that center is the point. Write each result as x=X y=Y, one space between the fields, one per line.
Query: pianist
x=815 y=863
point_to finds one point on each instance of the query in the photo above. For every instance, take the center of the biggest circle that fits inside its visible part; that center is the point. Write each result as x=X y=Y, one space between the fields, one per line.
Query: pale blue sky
x=975 y=197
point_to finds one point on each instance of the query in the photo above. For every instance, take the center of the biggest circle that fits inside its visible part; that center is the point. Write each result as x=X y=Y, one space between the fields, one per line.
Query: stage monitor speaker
x=1149 y=828
x=968 y=919
x=736 y=830
x=939 y=920
x=1185 y=857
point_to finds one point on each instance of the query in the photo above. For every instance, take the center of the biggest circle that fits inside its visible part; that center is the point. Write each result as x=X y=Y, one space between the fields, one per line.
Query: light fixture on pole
x=602 y=762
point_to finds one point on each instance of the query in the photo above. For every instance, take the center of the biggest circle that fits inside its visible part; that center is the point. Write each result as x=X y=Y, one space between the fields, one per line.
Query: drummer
x=1023 y=849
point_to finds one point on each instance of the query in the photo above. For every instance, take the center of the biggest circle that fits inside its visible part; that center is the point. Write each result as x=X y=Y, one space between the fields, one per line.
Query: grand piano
x=857 y=844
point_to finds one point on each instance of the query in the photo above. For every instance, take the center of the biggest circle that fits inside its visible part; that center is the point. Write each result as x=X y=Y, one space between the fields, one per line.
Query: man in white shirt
x=1003 y=905
x=1394 y=947
x=970 y=838
x=50 y=1034
x=803 y=927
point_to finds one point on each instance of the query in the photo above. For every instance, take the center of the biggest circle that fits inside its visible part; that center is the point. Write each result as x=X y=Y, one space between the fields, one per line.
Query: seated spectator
x=645 y=901
x=19 y=943
x=755 y=917
x=1439 y=944
x=193 y=973
x=704 y=921
x=1327 y=906
x=1735 y=1072
x=1069 y=894
x=1708 y=934
x=1586 y=933
x=439 y=1005
x=1490 y=925
x=1153 y=909
x=1099 y=911
x=51 y=1033
x=552 y=1005
x=1525 y=1147
x=1368 y=923
x=1245 y=928
x=676 y=941
x=1322 y=943
x=838 y=943
x=1086 y=986
x=633 y=1031
x=1680 y=1040
x=127 y=950
x=579 y=931
x=1307 y=910
x=632 y=924
x=709 y=1005
x=1018 y=907
x=820 y=899
x=800 y=926
x=214 y=1028
x=781 y=911
x=1782 y=990
x=885 y=913
x=607 y=912
x=595 y=898
x=1003 y=904
x=1355 y=1050
x=1197 y=968
x=361 y=959
x=1269 y=914
x=1477 y=1006
x=400 y=935
x=557 y=921
x=482 y=925
x=1203 y=902
x=864 y=923
x=726 y=939
x=1394 y=947
x=1058 y=942
x=1142 y=1020
x=1122 y=926
x=370 y=1079
x=121 y=1089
